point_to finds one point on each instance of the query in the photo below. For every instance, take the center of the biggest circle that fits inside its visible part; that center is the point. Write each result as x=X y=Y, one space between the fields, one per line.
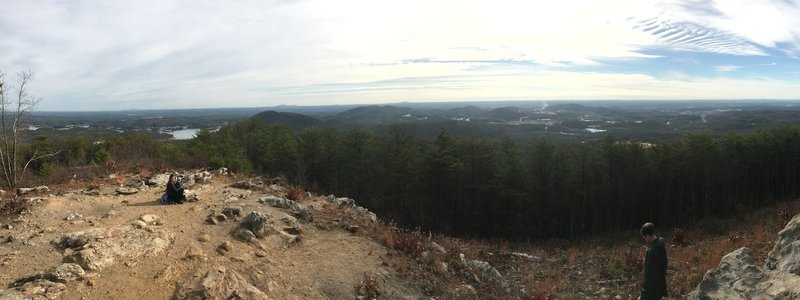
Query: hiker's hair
x=648 y=229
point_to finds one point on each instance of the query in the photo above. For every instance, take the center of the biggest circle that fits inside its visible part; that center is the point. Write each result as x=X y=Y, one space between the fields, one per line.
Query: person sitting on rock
x=175 y=190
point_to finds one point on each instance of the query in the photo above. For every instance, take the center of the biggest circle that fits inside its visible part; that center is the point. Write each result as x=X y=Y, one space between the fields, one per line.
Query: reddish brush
x=296 y=193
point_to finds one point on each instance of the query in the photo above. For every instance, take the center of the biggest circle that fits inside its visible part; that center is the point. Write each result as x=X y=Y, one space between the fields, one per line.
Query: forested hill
x=499 y=187
x=296 y=121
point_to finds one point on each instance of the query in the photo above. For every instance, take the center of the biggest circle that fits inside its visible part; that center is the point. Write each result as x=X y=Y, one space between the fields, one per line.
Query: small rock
x=261 y=254
x=191 y=195
x=441 y=267
x=150 y=219
x=304 y=215
x=292 y=230
x=289 y=238
x=139 y=224
x=204 y=237
x=289 y=220
x=216 y=218
x=465 y=291
x=244 y=234
x=109 y=214
x=92 y=192
x=232 y=212
x=226 y=246
x=352 y=228
x=194 y=252
x=437 y=248
x=73 y=216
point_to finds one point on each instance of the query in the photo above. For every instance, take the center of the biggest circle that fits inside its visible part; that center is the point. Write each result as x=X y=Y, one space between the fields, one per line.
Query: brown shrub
x=783 y=216
x=368 y=287
x=634 y=260
x=678 y=237
x=296 y=193
x=14 y=206
x=572 y=254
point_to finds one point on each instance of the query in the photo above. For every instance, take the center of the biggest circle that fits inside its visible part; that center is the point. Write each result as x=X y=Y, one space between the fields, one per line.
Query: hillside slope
x=140 y=249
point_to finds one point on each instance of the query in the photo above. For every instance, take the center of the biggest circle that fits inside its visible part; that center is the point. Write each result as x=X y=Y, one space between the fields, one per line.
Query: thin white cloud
x=727 y=68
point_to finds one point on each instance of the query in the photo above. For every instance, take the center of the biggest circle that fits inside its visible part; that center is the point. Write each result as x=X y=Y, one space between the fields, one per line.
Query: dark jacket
x=175 y=192
x=655 y=271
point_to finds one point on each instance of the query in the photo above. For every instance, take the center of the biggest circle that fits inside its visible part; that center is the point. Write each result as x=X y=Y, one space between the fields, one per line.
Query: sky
x=165 y=54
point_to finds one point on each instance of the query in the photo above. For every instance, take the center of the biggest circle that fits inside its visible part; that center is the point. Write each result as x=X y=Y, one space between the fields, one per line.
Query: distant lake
x=184 y=134
x=595 y=130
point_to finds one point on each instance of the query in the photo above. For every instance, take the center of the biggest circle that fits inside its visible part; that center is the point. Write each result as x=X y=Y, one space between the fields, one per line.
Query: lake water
x=184 y=134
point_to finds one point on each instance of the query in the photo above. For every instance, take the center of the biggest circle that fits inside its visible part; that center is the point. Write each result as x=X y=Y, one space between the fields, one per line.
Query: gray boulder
x=158 y=180
x=37 y=289
x=38 y=189
x=98 y=248
x=64 y=273
x=218 y=283
x=257 y=223
x=127 y=190
x=738 y=276
x=785 y=255
x=246 y=184
x=232 y=211
x=202 y=177
x=343 y=202
x=280 y=203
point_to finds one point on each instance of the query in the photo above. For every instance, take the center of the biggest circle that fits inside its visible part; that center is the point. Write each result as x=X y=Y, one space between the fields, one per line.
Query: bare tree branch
x=13 y=110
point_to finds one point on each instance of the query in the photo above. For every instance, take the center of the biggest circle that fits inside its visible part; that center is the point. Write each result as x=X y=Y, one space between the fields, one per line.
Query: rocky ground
x=107 y=242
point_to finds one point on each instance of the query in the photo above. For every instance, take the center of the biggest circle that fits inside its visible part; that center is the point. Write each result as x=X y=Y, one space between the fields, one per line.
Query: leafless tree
x=15 y=104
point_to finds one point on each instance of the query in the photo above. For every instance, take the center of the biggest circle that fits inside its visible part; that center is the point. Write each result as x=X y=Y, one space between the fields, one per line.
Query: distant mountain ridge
x=296 y=121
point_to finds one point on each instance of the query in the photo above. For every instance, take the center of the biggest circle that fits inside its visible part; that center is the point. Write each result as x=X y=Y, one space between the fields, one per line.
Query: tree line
x=469 y=185
x=500 y=187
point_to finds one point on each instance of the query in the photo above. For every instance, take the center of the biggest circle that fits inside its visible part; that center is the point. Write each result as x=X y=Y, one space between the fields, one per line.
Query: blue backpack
x=164 y=199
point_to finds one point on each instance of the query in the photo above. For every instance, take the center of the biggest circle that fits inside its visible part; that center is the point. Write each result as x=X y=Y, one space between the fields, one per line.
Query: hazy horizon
x=124 y=55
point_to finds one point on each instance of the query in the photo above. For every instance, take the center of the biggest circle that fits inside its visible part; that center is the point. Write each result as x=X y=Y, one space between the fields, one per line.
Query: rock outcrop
x=218 y=283
x=127 y=190
x=159 y=180
x=98 y=248
x=738 y=276
x=785 y=255
x=280 y=203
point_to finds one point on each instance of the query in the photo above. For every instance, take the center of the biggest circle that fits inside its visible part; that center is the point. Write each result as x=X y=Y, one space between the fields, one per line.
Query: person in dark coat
x=175 y=190
x=655 y=264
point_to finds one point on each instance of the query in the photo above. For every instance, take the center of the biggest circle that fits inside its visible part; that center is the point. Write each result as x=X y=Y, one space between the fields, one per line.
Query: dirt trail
x=325 y=264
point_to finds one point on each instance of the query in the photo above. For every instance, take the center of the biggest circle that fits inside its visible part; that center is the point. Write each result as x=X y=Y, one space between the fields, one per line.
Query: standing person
x=175 y=190
x=655 y=264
